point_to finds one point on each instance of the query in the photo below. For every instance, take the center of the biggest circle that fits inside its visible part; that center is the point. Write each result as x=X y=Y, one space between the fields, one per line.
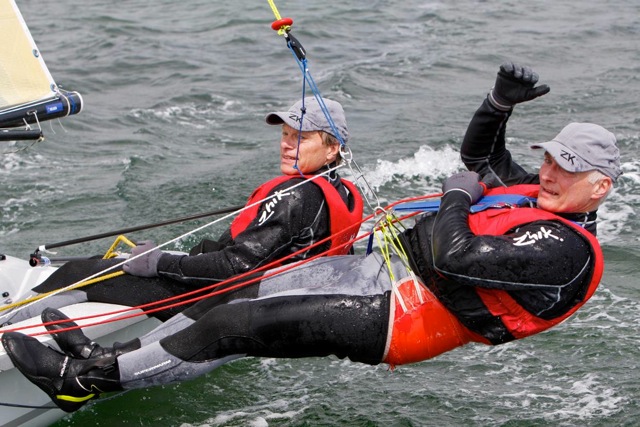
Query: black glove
x=146 y=265
x=515 y=84
x=467 y=182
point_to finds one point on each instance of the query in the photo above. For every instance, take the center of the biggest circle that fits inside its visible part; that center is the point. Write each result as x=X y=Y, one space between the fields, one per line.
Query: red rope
x=146 y=308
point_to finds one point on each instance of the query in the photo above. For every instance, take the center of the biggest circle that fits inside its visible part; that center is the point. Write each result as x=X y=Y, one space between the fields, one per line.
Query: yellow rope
x=111 y=253
x=76 y=286
x=390 y=241
x=274 y=9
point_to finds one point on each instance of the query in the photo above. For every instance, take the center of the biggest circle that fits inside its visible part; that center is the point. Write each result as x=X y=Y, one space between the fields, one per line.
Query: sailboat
x=29 y=96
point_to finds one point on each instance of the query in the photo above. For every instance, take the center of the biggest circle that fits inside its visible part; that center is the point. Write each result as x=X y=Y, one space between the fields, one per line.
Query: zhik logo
x=270 y=205
x=295 y=118
x=567 y=156
x=530 y=238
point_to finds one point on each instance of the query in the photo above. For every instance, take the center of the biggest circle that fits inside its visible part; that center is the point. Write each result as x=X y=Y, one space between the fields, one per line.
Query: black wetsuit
x=512 y=268
x=298 y=220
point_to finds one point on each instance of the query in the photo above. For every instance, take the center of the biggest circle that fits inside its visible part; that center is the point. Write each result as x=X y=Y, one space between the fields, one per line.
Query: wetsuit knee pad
x=421 y=327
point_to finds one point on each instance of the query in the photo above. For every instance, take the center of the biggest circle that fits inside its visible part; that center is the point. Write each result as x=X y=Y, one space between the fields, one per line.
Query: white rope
x=57 y=291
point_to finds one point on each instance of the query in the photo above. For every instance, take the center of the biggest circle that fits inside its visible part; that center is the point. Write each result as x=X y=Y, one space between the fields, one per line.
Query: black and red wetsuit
x=506 y=273
x=296 y=218
x=326 y=206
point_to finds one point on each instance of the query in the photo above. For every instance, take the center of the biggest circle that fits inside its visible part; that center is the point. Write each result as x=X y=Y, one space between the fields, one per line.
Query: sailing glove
x=145 y=265
x=467 y=182
x=515 y=84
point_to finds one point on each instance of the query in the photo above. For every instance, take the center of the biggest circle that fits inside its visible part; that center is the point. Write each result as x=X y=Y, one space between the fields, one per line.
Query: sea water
x=175 y=97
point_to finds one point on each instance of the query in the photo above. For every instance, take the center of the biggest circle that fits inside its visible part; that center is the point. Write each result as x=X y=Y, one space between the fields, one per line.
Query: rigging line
x=274 y=9
x=308 y=79
x=272 y=272
x=303 y=112
x=29 y=300
x=332 y=124
x=47 y=246
x=99 y=273
x=283 y=26
x=145 y=311
x=360 y=179
x=363 y=184
x=220 y=291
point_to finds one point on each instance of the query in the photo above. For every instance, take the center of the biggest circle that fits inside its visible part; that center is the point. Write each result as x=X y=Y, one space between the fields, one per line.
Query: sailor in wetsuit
x=490 y=277
x=300 y=216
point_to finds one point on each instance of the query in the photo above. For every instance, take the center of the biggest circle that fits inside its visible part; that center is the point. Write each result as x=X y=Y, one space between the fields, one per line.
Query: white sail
x=24 y=77
x=28 y=93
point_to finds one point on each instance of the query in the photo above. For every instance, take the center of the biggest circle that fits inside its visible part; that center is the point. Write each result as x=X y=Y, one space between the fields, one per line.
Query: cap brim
x=567 y=159
x=276 y=118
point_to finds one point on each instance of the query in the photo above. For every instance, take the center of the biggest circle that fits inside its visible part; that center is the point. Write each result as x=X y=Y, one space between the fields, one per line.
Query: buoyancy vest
x=421 y=327
x=343 y=223
x=517 y=320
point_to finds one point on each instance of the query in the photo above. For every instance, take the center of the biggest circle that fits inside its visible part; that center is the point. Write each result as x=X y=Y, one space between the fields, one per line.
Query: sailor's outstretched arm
x=484 y=146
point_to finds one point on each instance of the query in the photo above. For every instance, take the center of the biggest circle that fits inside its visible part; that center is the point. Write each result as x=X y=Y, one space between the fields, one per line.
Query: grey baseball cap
x=314 y=118
x=581 y=147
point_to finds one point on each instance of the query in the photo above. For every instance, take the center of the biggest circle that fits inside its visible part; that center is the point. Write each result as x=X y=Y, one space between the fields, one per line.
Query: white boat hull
x=32 y=406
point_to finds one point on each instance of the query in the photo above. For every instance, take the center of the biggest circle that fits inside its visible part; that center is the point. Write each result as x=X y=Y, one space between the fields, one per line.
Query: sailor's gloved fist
x=466 y=182
x=515 y=84
x=146 y=265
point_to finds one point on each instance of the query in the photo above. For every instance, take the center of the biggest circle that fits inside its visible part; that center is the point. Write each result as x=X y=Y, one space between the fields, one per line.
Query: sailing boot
x=75 y=343
x=69 y=382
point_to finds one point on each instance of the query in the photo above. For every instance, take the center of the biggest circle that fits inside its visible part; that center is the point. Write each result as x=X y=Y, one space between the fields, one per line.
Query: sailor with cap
x=303 y=212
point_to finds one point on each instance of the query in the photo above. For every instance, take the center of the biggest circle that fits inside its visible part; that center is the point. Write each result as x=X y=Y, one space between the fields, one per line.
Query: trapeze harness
x=423 y=328
x=344 y=223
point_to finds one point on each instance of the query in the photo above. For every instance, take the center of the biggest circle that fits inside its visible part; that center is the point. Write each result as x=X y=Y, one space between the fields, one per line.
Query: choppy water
x=175 y=95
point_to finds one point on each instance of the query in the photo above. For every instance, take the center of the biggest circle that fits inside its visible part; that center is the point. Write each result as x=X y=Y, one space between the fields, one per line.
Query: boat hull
x=21 y=402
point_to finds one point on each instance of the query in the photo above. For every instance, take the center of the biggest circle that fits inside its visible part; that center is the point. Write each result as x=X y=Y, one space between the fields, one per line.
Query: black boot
x=75 y=343
x=69 y=382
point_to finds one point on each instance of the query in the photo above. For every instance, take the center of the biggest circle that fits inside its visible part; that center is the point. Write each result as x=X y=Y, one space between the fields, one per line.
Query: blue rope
x=308 y=79
x=303 y=109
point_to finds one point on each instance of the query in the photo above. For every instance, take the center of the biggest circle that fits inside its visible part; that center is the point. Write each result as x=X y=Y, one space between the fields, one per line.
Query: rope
x=162 y=304
x=28 y=301
x=274 y=9
x=120 y=264
x=111 y=253
x=283 y=27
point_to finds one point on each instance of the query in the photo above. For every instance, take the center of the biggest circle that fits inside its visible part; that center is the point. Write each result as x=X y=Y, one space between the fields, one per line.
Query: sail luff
x=24 y=76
